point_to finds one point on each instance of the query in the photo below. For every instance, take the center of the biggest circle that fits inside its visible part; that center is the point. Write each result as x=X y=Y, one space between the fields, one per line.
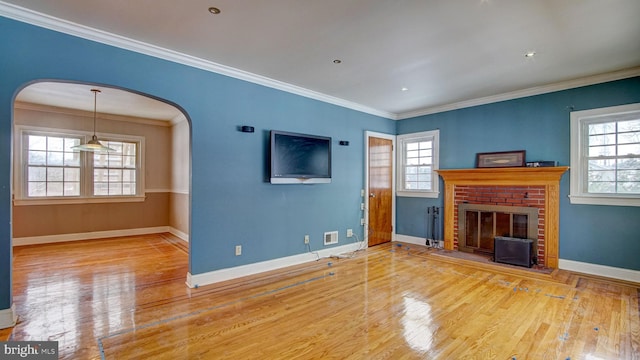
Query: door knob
x=372 y=195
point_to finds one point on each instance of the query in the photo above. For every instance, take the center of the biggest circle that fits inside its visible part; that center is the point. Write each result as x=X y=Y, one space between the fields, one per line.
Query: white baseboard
x=216 y=276
x=8 y=317
x=34 y=240
x=600 y=270
x=581 y=267
x=182 y=235
x=410 y=239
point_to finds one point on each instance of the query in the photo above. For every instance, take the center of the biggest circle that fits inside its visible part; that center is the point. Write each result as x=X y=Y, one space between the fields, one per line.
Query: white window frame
x=579 y=152
x=91 y=160
x=86 y=165
x=402 y=141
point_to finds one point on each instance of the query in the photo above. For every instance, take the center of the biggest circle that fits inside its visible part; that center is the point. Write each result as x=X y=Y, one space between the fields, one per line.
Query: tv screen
x=300 y=158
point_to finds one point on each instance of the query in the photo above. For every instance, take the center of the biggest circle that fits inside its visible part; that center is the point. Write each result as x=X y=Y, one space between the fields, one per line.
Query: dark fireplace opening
x=480 y=224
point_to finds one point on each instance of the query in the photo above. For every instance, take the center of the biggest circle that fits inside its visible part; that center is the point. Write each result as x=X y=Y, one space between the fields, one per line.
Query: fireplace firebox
x=480 y=224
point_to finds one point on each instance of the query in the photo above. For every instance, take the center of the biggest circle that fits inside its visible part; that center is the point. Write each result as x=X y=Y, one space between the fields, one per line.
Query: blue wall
x=605 y=235
x=231 y=202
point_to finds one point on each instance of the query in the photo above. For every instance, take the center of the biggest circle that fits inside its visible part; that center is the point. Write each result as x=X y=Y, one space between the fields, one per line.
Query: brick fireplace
x=504 y=188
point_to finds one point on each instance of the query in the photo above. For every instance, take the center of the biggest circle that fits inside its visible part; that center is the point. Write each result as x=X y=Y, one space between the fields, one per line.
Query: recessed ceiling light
x=214 y=10
x=337 y=61
x=530 y=54
x=404 y=89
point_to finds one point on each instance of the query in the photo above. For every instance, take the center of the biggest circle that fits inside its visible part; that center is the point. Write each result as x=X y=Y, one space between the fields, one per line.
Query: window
x=114 y=173
x=53 y=168
x=417 y=164
x=605 y=156
x=48 y=169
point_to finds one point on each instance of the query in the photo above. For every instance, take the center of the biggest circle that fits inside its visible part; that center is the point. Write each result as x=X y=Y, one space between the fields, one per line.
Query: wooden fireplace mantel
x=549 y=177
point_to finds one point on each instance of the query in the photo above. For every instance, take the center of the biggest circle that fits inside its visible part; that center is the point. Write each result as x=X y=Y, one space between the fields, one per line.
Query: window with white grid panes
x=53 y=169
x=605 y=156
x=114 y=173
x=613 y=157
x=49 y=170
x=417 y=164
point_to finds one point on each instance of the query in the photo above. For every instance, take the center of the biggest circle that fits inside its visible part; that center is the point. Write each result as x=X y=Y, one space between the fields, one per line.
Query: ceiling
x=108 y=101
x=443 y=53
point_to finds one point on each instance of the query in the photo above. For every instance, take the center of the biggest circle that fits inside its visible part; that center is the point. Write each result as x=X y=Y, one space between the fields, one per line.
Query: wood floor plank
x=125 y=298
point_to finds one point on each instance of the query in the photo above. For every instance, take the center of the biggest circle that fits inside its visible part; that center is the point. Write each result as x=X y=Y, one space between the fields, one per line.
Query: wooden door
x=380 y=190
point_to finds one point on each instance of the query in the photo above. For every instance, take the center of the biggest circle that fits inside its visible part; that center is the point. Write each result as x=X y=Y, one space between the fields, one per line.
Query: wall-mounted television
x=300 y=158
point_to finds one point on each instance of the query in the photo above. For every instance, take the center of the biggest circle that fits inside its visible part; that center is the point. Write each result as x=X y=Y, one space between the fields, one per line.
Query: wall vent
x=331 y=237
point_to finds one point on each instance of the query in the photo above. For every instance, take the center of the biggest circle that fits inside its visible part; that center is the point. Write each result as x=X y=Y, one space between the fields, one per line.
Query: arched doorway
x=158 y=175
x=61 y=195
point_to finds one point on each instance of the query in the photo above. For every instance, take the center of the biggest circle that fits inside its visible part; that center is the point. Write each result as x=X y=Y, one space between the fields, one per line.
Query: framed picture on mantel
x=500 y=159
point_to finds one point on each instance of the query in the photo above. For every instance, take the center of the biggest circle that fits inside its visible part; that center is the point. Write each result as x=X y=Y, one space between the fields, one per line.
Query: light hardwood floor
x=125 y=298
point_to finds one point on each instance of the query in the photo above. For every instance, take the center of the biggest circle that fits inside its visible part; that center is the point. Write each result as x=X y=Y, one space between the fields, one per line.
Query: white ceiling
x=446 y=52
x=107 y=101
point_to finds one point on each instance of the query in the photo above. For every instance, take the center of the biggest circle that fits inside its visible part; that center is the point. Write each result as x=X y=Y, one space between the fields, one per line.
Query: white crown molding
x=52 y=23
x=537 y=90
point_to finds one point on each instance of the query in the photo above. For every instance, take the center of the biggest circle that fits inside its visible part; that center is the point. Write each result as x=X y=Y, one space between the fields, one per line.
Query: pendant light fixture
x=93 y=144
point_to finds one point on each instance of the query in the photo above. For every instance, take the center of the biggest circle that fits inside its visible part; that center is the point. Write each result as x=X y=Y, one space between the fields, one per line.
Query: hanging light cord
x=94 y=144
x=95 y=107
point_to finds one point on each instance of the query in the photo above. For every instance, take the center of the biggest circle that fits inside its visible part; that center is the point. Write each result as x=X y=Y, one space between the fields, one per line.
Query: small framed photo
x=500 y=159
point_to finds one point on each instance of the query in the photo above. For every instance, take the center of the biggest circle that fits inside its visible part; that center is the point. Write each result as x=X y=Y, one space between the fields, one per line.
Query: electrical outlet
x=349 y=233
x=361 y=206
x=362 y=222
x=306 y=239
x=361 y=192
x=238 y=250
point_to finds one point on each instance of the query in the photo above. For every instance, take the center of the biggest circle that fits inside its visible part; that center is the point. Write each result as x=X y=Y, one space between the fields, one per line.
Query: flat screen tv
x=300 y=158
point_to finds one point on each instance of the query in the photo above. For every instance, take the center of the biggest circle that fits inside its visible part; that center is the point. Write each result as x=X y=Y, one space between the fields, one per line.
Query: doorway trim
x=365 y=193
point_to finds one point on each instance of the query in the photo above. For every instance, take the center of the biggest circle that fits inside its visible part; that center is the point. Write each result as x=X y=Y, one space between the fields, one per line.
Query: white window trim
x=578 y=193
x=18 y=169
x=435 y=180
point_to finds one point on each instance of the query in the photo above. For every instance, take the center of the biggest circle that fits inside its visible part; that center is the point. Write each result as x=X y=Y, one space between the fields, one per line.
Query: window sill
x=70 y=201
x=604 y=200
x=420 y=194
